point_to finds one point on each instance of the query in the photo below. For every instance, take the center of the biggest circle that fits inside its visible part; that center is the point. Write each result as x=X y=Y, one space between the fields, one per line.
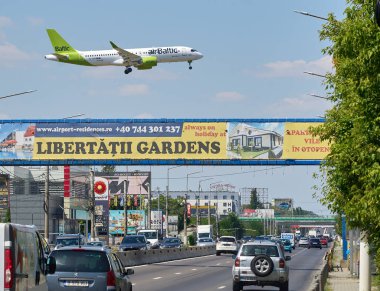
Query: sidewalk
x=341 y=280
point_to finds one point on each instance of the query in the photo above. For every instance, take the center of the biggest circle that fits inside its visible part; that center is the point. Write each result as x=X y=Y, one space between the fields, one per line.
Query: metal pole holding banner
x=92 y=208
x=46 y=204
x=126 y=183
x=344 y=234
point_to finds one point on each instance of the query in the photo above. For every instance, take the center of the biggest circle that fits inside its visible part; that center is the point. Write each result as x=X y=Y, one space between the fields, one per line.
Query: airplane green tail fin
x=58 y=43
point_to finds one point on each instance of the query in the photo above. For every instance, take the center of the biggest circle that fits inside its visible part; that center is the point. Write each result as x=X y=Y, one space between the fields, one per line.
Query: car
x=287 y=245
x=246 y=238
x=82 y=268
x=260 y=263
x=227 y=244
x=303 y=242
x=205 y=241
x=324 y=241
x=99 y=243
x=314 y=243
x=134 y=243
x=65 y=240
x=170 y=243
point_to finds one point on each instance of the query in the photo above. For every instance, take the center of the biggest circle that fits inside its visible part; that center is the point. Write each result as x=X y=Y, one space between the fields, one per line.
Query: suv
x=89 y=268
x=261 y=263
x=314 y=243
x=227 y=244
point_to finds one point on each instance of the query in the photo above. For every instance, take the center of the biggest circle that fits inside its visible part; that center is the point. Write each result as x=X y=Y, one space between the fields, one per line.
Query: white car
x=227 y=244
x=303 y=242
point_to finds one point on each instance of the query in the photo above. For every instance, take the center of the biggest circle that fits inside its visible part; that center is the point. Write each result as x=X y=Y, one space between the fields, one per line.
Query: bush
x=191 y=240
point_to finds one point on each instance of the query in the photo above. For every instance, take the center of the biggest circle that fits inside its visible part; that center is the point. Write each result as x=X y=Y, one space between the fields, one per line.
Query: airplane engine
x=147 y=63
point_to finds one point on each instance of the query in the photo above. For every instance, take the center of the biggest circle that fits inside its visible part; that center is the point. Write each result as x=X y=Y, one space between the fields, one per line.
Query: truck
x=153 y=236
x=290 y=236
x=312 y=233
x=204 y=231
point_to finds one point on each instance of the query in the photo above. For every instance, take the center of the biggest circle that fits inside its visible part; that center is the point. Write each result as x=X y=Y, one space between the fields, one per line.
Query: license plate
x=248 y=278
x=76 y=284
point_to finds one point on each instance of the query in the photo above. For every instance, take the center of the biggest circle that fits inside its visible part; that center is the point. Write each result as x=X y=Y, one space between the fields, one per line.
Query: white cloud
x=293 y=68
x=133 y=89
x=9 y=54
x=229 y=96
x=35 y=21
x=5 y=21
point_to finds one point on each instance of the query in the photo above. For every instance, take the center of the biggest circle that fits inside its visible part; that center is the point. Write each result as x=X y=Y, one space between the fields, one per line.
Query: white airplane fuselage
x=112 y=57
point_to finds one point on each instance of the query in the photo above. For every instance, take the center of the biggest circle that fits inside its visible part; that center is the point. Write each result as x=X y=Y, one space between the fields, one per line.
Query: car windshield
x=149 y=235
x=171 y=240
x=205 y=240
x=254 y=250
x=95 y=243
x=227 y=239
x=67 y=241
x=81 y=261
x=133 y=239
x=314 y=240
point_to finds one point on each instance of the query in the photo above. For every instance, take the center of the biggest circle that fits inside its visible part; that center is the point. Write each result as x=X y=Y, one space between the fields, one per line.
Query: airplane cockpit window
x=193 y=50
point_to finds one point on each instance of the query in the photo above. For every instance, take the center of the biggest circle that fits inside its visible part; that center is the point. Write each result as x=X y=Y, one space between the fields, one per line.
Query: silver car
x=261 y=263
x=86 y=268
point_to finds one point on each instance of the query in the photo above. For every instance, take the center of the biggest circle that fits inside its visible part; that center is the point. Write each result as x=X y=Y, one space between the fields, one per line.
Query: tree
x=351 y=172
x=255 y=202
x=109 y=169
x=231 y=225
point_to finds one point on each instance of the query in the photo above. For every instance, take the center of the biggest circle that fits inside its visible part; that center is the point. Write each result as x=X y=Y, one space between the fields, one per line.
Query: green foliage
x=109 y=169
x=351 y=174
x=254 y=202
x=191 y=240
x=231 y=225
x=8 y=215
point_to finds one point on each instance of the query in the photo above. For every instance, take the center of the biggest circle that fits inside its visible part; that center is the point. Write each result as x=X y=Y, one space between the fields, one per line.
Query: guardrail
x=135 y=258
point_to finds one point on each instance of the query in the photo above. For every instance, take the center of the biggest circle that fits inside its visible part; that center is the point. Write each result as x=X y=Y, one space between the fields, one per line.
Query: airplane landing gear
x=128 y=70
x=190 y=67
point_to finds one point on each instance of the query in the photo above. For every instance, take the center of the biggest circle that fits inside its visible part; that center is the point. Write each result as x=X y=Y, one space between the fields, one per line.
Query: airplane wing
x=129 y=58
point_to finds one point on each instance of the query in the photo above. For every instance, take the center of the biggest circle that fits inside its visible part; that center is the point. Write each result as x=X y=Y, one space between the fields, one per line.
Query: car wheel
x=284 y=286
x=262 y=265
x=217 y=253
x=236 y=286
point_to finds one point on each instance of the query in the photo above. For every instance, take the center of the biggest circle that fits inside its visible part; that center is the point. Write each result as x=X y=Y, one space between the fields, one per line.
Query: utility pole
x=46 y=203
x=125 y=208
x=166 y=199
x=92 y=208
x=149 y=207
x=185 y=210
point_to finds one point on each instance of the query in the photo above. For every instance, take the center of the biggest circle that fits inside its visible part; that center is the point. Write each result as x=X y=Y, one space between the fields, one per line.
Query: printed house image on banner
x=248 y=142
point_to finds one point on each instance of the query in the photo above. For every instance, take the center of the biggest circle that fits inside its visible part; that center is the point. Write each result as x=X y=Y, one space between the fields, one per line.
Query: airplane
x=140 y=58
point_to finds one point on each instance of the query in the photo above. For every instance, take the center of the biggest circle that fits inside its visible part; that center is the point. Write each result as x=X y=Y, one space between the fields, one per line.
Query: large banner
x=198 y=140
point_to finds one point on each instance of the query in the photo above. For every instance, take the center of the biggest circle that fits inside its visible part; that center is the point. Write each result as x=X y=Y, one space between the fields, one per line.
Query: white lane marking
x=178 y=273
x=193 y=269
x=299 y=253
x=221 y=287
x=157 y=278
x=218 y=264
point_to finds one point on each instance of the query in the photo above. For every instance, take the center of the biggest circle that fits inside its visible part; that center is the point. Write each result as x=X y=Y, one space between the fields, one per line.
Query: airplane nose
x=200 y=56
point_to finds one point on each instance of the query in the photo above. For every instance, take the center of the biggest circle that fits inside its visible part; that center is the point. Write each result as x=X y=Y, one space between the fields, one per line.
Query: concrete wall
x=135 y=258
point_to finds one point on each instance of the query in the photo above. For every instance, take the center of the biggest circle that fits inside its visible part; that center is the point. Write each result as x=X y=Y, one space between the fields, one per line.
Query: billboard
x=4 y=194
x=283 y=204
x=136 y=220
x=150 y=140
x=260 y=213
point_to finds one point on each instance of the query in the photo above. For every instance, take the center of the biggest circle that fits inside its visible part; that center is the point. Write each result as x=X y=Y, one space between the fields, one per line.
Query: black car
x=133 y=243
x=314 y=243
x=170 y=242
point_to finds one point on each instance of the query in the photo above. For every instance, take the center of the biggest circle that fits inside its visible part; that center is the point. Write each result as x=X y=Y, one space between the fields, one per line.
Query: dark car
x=314 y=243
x=86 y=268
x=246 y=238
x=170 y=242
x=65 y=240
x=133 y=243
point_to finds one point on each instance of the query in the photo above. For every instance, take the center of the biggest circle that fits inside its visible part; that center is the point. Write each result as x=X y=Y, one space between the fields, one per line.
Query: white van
x=23 y=256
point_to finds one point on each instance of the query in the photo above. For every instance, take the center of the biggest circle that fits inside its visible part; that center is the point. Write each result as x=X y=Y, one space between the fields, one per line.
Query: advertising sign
x=152 y=140
x=156 y=219
x=260 y=213
x=136 y=220
x=283 y=203
x=4 y=193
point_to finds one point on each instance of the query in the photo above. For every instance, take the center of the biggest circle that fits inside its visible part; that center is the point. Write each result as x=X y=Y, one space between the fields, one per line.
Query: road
x=212 y=273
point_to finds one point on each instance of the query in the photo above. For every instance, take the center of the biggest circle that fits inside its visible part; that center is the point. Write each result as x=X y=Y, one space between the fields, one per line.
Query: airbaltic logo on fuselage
x=61 y=48
x=161 y=51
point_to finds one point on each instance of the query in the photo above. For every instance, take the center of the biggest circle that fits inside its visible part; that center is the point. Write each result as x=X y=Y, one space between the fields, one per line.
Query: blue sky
x=255 y=53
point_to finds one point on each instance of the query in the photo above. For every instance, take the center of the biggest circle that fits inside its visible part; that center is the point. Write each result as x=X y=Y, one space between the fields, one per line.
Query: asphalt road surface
x=212 y=273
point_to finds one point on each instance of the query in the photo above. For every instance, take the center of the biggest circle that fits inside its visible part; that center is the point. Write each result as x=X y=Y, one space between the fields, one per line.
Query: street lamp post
x=198 y=199
x=149 y=207
x=126 y=184
x=166 y=201
x=216 y=209
x=185 y=209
